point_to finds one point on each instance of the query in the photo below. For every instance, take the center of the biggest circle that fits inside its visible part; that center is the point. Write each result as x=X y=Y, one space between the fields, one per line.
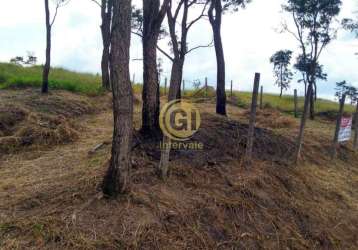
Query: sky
x=250 y=37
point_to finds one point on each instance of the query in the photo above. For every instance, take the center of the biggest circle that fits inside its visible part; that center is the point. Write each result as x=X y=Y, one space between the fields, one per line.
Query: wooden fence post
x=355 y=143
x=183 y=87
x=206 y=87
x=261 y=97
x=165 y=86
x=251 y=132
x=295 y=103
x=231 y=90
x=338 y=126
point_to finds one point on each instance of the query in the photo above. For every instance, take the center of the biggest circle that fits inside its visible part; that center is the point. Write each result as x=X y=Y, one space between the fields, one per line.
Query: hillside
x=50 y=195
x=17 y=76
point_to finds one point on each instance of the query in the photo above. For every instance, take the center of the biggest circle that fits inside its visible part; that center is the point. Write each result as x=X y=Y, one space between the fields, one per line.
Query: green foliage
x=350 y=91
x=313 y=20
x=351 y=25
x=281 y=61
x=17 y=76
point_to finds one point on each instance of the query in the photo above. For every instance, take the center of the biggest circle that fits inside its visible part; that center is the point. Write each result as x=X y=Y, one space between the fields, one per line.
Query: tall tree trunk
x=303 y=123
x=281 y=92
x=215 y=22
x=46 y=69
x=106 y=13
x=176 y=77
x=312 y=103
x=117 y=178
x=174 y=90
x=152 y=21
x=355 y=142
x=150 y=96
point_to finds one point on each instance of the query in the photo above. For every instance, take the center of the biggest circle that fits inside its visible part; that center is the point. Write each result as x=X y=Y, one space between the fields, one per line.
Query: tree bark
x=176 y=77
x=303 y=123
x=355 y=142
x=312 y=103
x=46 y=69
x=174 y=89
x=215 y=22
x=251 y=132
x=152 y=20
x=106 y=14
x=338 y=126
x=117 y=178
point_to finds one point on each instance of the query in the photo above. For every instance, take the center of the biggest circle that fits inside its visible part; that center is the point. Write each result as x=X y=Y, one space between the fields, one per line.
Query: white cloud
x=249 y=39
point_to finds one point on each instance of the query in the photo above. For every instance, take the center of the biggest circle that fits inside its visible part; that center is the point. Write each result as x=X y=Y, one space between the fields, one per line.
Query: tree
x=216 y=10
x=106 y=16
x=180 y=50
x=49 y=24
x=312 y=20
x=179 y=44
x=281 y=60
x=303 y=65
x=153 y=16
x=351 y=25
x=117 y=178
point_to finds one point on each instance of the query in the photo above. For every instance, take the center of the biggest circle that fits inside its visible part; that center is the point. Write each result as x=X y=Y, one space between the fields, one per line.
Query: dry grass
x=210 y=202
x=28 y=118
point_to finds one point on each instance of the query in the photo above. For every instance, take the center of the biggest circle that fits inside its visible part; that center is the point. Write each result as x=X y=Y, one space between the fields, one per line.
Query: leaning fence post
x=231 y=90
x=295 y=102
x=261 y=97
x=183 y=87
x=251 y=132
x=338 y=126
x=165 y=86
x=206 y=87
x=355 y=143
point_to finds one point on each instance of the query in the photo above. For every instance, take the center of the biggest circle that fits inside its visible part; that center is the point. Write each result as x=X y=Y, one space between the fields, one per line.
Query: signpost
x=345 y=130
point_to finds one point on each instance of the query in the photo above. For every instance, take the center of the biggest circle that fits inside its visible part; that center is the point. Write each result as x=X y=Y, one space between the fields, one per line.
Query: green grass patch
x=286 y=103
x=18 y=76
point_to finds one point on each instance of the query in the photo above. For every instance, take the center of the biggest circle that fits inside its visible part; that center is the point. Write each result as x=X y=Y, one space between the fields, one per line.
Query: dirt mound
x=224 y=140
x=10 y=116
x=30 y=118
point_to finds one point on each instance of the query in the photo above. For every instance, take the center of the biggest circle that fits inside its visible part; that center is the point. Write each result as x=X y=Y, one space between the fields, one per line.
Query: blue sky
x=250 y=37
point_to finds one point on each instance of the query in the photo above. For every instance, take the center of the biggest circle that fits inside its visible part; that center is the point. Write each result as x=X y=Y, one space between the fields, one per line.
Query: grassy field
x=17 y=76
x=13 y=75
x=286 y=103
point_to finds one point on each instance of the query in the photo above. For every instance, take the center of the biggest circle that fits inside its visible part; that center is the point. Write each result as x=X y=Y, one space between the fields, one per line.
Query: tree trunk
x=220 y=59
x=355 y=142
x=338 y=126
x=46 y=69
x=153 y=16
x=150 y=112
x=281 y=92
x=106 y=13
x=117 y=178
x=312 y=103
x=303 y=123
x=174 y=90
x=176 y=78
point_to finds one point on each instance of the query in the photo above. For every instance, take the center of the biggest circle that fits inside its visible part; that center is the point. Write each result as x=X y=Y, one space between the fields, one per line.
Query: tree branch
x=160 y=49
x=200 y=46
